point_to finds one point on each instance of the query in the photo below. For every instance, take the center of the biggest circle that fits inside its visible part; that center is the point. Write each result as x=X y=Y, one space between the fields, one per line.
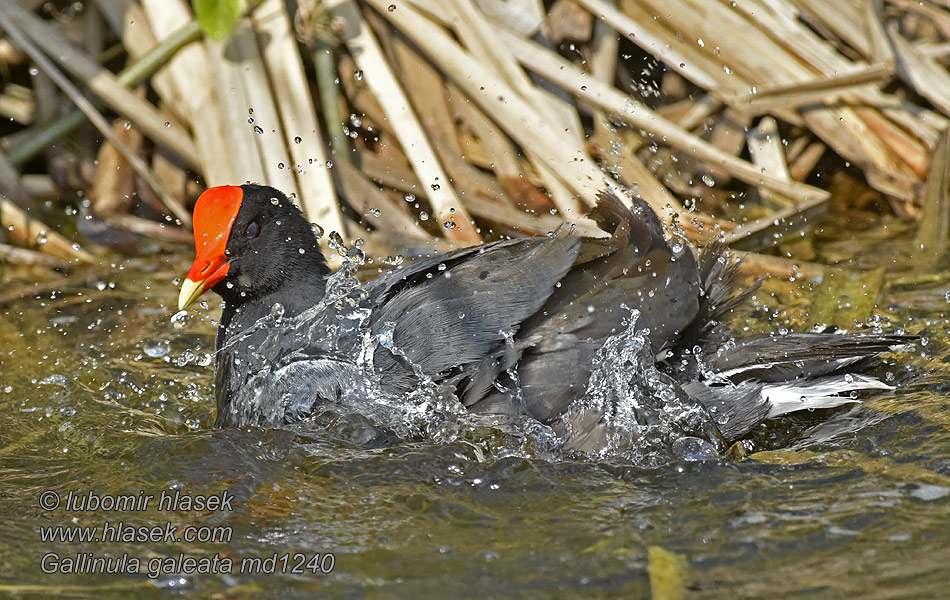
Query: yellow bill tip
x=190 y=291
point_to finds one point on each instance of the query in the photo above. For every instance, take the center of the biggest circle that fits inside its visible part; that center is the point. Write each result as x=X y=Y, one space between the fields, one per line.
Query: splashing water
x=331 y=376
x=646 y=417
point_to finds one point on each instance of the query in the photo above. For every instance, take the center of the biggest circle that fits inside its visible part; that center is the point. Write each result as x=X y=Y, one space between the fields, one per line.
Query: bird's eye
x=253 y=230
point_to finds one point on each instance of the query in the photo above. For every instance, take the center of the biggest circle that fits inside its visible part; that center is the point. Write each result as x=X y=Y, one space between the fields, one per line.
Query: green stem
x=330 y=96
x=131 y=76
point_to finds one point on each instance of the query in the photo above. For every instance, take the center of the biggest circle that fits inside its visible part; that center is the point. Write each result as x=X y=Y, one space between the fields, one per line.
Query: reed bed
x=439 y=123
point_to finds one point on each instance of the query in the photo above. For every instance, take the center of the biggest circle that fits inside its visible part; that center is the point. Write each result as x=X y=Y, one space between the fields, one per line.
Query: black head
x=253 y=244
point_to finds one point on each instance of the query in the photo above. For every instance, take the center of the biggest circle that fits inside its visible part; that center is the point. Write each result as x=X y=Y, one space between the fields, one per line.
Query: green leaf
x=218 y=17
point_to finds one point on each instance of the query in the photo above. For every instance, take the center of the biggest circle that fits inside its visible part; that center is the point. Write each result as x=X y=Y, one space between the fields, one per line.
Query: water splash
x=644 y=416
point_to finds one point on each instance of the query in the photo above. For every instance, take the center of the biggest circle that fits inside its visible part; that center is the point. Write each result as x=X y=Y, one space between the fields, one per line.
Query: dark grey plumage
x=518 y=329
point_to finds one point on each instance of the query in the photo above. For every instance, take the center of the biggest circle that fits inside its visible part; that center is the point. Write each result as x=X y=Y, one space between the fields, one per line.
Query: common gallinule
x=601 y=340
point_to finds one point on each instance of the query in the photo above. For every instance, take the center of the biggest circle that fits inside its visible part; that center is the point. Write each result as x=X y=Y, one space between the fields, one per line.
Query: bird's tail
x=824 y=392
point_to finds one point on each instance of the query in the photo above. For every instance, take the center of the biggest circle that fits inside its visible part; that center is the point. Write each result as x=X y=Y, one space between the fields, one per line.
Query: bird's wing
x=636 y=269
x=455 y=317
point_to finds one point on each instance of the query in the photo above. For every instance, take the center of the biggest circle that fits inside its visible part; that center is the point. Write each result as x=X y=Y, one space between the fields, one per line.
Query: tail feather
x=739 y=408
x=826 y=392
x=780 y=358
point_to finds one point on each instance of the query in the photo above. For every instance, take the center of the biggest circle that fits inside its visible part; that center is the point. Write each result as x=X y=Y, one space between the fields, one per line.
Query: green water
x=99 y=392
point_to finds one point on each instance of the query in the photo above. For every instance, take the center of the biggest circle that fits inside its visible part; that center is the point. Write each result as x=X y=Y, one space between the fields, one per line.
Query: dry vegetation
x=439 y=122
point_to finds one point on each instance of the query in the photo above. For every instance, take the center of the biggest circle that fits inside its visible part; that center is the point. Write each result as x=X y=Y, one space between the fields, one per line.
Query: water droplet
x=449 y=225
x=391 y=8
x=694 y=449
x=186 y=357
x=298 y=139
x=41 y=237
x=275 y=201
x=423 y=216
x=156 y=348
x=410 y=197
x=258 y=130
x=356 y=256
x=435 y=187
x=168 y=124
x=376 y=212
x=280 y=166
x=180 y=319
x=317 y=230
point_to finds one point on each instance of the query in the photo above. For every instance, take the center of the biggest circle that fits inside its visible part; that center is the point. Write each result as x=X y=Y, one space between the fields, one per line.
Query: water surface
x=100 y=392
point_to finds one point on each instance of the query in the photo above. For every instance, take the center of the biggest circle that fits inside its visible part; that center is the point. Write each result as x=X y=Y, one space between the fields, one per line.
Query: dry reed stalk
x=246 y=164
x=101 y=82
x=114 y=184
x=262 y=109
x=775 y=228
x=691 y=113
x=479 y=36
x=36 y=186
x=932 y=240
x=635 y=114
x=426 y=90
x=924 y=75
x=806 y=161
x=850 y=21
x=819 y=55
x=301 y=134
x=152 y=229
x=363 y=45
x=760 y=43
x=501 y=103
x=190 y=91
x=691 y=65
x=729 y=129
x=758 y=265
x=45 y=64
x=501 y=156
x=14 y=255
x=765 y=147
x=375 y=208
x=619 y=159
x=32 y=233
